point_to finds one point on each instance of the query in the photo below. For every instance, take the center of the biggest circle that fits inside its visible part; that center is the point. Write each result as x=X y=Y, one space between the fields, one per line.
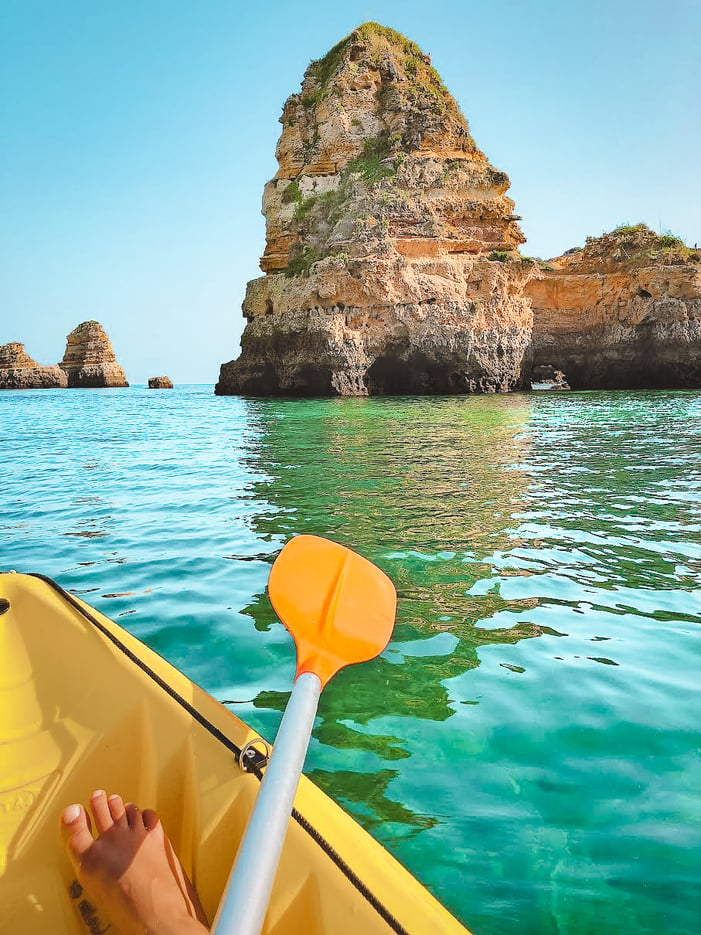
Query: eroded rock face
x=391 y=263
x=18 y=371
x=624 y=312
x=89 y=360
x=160 y=383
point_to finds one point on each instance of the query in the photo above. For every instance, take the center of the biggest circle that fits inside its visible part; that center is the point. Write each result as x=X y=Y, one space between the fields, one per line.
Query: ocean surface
x=529 y=744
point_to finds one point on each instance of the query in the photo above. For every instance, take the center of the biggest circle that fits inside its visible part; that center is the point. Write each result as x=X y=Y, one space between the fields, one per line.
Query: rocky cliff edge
x=391 y=260
x=622 y=312
x=18 y=371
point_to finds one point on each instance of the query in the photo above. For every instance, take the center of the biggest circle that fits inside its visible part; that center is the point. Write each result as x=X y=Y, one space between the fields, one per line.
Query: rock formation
x=160 y=383
x=19 y=372
x=544 y=376
x=89 y=360
x=623 y=312
x=390 y=263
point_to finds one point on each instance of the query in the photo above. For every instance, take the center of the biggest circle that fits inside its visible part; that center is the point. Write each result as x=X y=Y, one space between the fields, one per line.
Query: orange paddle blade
x=337 y=605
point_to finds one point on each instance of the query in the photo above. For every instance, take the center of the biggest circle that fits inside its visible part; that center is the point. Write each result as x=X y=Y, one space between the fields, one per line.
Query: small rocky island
x=89 y=360
x=160 y=383
x=386 y=225
x=18 y=371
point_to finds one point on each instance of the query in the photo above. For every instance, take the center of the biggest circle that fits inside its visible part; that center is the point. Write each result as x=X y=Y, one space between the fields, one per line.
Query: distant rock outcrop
x=160 y=383
x=18 y=371
x=545 y=376
x=89 y=360
x=391 y=263
x=624 y=312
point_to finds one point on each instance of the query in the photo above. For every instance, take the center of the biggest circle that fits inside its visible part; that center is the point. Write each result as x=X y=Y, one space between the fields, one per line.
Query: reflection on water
x=425 y=489
x=572 y=518
x=547 y=785
x=367 y=794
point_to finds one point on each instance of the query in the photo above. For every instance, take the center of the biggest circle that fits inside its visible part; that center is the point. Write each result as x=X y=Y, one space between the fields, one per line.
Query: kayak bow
x=85 y=705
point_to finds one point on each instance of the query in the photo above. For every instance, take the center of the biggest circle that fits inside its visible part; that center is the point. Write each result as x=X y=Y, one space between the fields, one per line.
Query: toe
x=76 y=831
x=134 y=816
x=151 y=819
x=101 y=811
x=117 y=811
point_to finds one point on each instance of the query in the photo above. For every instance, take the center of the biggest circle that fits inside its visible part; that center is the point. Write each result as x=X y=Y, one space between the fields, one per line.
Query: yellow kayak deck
x=84 y=705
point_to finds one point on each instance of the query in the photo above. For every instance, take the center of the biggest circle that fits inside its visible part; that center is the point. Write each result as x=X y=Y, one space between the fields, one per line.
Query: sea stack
x=160 y=383
x=622 y=312
x=18 y=371
x=391 y=261
x=89 y=360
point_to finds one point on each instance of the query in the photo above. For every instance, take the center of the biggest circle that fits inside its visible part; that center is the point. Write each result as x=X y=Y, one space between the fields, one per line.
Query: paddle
x=340 y=609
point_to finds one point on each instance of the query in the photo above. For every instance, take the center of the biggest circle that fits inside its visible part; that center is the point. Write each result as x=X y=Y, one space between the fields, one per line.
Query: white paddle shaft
x=245 y=900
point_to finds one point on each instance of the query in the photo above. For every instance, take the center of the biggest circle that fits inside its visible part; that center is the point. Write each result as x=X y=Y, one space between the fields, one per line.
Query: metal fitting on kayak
x=250 y=759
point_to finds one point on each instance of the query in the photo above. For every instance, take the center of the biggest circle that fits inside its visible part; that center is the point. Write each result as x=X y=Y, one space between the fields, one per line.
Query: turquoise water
x=529 y=744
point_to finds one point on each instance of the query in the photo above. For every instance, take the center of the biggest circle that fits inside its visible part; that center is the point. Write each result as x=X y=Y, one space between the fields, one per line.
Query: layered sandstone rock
x=89 y=360
x=622 y=312
x=18 y=371
x=390 y=262
x=160 y=383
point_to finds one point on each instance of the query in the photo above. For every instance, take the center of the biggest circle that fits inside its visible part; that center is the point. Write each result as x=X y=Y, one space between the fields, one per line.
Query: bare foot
x=130 y=871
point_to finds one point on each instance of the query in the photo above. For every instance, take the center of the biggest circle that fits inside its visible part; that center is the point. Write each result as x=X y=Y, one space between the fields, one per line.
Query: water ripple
x=529 y=742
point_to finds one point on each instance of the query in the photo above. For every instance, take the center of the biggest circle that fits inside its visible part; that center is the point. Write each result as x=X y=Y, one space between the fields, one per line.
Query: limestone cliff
x=622 y=312
x=89 y=360
x=18 y=371
x=390 y=261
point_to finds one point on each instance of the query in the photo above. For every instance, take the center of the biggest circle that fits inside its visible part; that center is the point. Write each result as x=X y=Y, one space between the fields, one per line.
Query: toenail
x=97 y=793
x=71 y=814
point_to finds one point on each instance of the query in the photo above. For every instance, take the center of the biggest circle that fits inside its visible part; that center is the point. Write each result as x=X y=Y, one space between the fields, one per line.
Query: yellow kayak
x=84 y=705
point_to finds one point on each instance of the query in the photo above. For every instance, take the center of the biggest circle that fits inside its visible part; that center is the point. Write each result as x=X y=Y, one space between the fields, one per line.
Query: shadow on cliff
x=426 y=489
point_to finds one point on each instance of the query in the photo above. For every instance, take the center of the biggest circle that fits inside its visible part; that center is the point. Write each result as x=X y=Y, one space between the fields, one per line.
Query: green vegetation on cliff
x=316 y=215
x=408 y=78
x=385 y=162
x=638 y=243
x=373 y=164
x=292 y=193
x=629 y=229
x=301 y=260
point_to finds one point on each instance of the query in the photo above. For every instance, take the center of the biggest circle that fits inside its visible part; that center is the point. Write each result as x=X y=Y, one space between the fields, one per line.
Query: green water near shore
x=529 y=744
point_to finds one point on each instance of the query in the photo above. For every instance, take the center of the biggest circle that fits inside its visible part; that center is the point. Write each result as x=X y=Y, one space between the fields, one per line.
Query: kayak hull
x=84 y=705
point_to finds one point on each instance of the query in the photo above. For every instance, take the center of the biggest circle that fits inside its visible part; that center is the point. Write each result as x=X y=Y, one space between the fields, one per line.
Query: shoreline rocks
x=391 y=261
x=89 y=360
x=623 y=312
x=544 y=376
x=19 y=371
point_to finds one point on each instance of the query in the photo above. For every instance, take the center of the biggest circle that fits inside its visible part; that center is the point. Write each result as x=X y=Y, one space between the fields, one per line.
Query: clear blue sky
x=137 y=136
